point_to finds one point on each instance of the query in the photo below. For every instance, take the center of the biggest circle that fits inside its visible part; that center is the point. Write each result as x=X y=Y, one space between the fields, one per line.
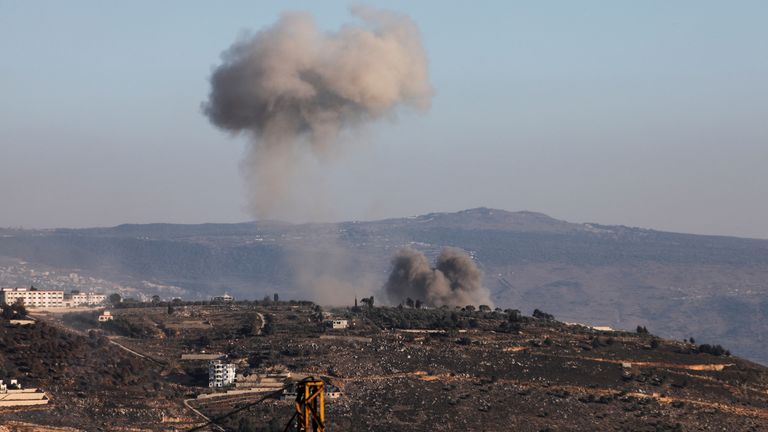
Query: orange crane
x=310 y=406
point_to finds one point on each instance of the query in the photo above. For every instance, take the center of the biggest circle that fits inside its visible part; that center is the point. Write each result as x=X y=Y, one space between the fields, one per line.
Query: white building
x=15 y=396
x=220 y=374
x=32 y=297
x=14 y=385
x=106 y=316
x=88 y=299
x=339 y=323
x=223 y=298
x=332 y=391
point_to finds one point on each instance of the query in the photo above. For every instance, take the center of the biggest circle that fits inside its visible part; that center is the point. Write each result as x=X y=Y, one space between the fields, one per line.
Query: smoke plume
x=293 y=89
x=454 y=281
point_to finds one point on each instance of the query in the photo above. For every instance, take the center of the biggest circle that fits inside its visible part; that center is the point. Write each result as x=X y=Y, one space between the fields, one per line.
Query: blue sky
x=645 y=113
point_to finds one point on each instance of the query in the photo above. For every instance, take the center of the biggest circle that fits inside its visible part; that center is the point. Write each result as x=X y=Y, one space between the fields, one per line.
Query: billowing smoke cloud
x=454 y=281
x=292 y=87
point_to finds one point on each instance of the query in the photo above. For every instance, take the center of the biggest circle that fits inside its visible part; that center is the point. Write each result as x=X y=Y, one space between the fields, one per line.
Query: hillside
x=398 y=369
x=679 y=285
x=92 y=384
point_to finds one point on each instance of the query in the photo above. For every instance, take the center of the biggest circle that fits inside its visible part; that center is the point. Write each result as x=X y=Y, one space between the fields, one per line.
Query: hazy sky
x=643 y=113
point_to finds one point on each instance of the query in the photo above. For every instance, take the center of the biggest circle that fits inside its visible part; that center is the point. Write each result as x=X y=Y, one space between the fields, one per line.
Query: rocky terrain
x=397 y=368
x=485 y=373
x=707 y=287
x=92 y=383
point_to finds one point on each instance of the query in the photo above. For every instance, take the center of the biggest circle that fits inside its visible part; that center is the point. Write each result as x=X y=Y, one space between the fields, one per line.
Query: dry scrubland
x=711 y=288
x=487 y=370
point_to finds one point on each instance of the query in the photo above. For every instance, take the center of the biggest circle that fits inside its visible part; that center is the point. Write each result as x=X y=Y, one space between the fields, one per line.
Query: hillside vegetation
x=708 y=287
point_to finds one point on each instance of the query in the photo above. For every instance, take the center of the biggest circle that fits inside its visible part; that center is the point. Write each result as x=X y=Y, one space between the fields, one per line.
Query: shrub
x=509 y=327
x=715 y=350
x=542 y=315
x=514 y=315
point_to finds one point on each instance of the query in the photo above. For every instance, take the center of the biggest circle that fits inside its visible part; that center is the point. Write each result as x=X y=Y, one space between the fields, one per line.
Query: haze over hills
x=678 y=285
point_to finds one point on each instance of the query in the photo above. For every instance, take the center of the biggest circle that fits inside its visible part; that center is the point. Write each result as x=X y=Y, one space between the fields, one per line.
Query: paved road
x=55 y=321
x=203 y=416
x=132 y=351
x=262 y=321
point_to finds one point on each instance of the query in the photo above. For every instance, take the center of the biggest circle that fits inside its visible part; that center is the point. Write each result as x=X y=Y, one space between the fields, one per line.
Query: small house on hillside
x=332 y=391
x=226 y=298
x=339 y=323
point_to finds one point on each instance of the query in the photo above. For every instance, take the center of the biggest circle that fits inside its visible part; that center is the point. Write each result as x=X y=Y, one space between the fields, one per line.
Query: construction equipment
x=310 y=406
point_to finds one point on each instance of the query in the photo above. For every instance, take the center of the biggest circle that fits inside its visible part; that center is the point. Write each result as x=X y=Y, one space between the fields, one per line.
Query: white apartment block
x=33 y=298
x=220 y=374
x=88 y=299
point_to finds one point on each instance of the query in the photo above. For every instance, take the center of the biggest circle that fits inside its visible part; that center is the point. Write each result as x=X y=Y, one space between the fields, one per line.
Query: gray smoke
x=292 y=87
x=454 y=281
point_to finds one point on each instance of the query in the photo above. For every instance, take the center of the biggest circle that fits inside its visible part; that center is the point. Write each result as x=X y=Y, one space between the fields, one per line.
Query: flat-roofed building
x=33 y=297
x=220 y=374
x=339 y=323
x=226 y=298
x=12 y=395
x=89 y=298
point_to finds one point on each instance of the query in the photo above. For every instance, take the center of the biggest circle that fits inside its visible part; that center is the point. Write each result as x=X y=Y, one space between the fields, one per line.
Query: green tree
x=203 y=341
x=115 y=298
x=19 y=308
x=368 y=301
x=514 y=315
x=7 y=312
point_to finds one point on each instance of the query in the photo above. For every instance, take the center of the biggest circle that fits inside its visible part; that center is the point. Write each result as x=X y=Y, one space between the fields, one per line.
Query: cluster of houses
x=32 y=297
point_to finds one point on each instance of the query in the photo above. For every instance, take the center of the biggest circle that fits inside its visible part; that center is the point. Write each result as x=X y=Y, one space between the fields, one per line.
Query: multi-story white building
x=88 y=299
x=220 y=374
x=32 y=297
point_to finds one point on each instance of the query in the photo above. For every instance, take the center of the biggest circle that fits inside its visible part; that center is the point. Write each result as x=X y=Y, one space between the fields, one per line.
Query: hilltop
x=679 y=285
